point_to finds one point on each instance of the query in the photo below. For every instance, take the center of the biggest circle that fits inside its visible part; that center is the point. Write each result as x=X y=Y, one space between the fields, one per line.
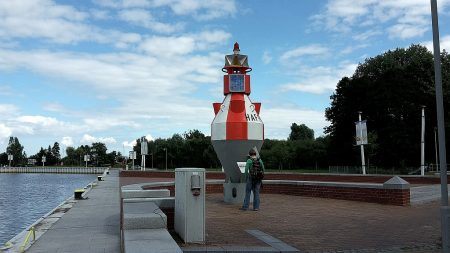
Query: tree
x=16 y=149
x=301 y=132
x=56 y=152
x=390 y=90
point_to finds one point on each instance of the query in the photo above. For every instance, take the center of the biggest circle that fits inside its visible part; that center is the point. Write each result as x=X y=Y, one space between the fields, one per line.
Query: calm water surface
x=24 y=198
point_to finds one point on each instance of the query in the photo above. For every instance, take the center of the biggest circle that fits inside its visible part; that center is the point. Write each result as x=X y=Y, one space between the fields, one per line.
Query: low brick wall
x=356 y=178
x=398 y=197
x=373 y=193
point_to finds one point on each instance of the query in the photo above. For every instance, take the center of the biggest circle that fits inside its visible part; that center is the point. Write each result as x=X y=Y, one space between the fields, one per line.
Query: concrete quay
x=91 y=225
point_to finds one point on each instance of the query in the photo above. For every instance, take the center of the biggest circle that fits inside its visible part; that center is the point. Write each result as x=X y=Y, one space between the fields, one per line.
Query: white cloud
x=45 y=19
x=149 y=137
x=199 y=9
x=277 y=121
x=319 y=80
x=38 y=120
x=130 y=144
x=185 y=44
x=5 y=132
x=266 y=58
x=67 y=141
x=403 y=18
x=444 y=44
x=7 y=109
x=89 y=139
x=304 y=50
x=142 y=17
x=406 y=31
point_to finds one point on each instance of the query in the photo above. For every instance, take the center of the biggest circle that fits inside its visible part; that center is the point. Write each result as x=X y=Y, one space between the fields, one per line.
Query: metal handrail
x=27 y=238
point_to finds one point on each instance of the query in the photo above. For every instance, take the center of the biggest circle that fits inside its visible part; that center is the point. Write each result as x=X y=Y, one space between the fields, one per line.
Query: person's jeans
x=252 y=185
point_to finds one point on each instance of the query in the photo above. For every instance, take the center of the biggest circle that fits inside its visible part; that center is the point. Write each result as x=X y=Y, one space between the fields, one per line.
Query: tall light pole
x=363 y=160
x=165 y=149
x=445 y=211
x=422 y=144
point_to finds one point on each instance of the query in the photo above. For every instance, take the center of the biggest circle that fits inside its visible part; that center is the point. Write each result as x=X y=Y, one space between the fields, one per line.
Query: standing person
x=254 y=173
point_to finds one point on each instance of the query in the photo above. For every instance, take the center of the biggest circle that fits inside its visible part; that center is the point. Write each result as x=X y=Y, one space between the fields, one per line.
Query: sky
x=111 y=71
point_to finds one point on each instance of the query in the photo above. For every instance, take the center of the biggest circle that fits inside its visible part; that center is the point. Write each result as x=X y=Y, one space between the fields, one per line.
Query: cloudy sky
x=78 y=72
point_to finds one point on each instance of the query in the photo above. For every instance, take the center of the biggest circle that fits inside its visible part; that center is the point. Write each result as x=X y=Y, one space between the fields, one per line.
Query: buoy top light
x=236 y=49
x=236 y=62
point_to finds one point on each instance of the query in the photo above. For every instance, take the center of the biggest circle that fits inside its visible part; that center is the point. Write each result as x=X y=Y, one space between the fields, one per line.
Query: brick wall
x=296 y=176
x=398 y=197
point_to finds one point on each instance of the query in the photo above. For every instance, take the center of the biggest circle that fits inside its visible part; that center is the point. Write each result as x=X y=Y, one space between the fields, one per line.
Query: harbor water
x=24 y=198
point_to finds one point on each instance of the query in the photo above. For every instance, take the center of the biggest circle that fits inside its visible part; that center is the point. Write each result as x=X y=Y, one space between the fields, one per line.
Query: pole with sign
x=132 y=157
x=361 y=139
x=44 y=159
x=144 y=151
x=87 y=158
x=10 y=158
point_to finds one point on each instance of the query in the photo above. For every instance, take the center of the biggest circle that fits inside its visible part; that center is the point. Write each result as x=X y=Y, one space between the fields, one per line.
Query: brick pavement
x=326 y=225
x=322 y=225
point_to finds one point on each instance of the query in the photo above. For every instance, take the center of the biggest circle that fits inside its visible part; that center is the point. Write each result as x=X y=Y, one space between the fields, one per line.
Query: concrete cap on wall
x=396 y=183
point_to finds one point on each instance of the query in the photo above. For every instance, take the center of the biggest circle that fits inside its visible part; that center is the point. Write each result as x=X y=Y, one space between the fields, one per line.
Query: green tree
x=390 y=90
x=301 y=132
x=16 y=149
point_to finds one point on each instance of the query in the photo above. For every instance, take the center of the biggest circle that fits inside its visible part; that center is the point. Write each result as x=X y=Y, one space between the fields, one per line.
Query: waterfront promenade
x=91 y=225
x=309 y=224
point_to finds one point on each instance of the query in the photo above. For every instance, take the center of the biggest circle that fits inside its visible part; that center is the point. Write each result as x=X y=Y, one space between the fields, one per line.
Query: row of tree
x=97 y=153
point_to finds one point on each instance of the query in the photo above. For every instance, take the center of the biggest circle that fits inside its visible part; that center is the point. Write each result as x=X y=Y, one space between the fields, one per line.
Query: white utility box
x=190 y=189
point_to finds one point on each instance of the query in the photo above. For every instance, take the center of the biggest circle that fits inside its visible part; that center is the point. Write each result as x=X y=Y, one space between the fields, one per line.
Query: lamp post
x=363 y=160
x=165 y=149
x=152 y=159
x=445 y=211
x=94 y=155
x=422 y=144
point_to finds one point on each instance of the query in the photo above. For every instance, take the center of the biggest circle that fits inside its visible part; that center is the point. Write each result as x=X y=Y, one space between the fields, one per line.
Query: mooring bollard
x=78 y=193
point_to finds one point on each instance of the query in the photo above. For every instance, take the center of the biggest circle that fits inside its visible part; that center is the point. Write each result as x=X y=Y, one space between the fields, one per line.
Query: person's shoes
x=256 y=209
x=243 y=209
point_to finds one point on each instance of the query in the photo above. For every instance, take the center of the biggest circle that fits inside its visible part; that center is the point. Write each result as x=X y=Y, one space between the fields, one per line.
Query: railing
x=57 y=170
x=27 y=238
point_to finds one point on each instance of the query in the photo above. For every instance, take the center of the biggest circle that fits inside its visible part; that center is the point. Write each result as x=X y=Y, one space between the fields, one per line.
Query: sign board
x=132 y=154
x=10 y=157
x=44 y=159
x=87 y=158
x=237 y=83
x=361 y=133
x=242 y=166
x=144 y=148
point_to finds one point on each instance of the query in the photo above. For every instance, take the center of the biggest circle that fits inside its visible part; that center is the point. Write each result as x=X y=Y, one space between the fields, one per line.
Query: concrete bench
x=157 y=193
x=149 y=241
x=143 y=215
